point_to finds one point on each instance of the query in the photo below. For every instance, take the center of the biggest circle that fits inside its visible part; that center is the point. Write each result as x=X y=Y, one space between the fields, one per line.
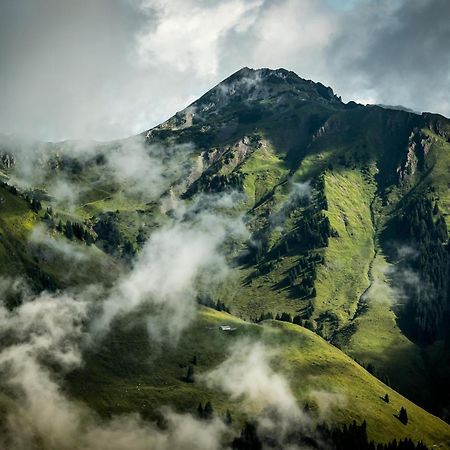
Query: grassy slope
x=263 y=170
x=379 y=341
x=250 y=298
x=343 y=278
x=128 y=373
x=340 y=282
x=18 y=256
x=16 y=222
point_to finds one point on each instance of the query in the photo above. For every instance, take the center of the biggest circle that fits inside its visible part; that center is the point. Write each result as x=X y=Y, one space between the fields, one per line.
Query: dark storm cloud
x=397 y=52
x=103 y=69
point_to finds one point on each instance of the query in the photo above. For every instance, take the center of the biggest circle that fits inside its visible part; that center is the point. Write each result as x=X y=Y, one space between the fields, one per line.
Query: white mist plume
x=301 y=190
x=52 y=246
x=140 y=170
x=247 y=375
x=406 y=282
x=47 y=334
x=65 y=193
x=175 y=260
x=327 y=401
x=147 y=171
x=298 y=192
x=48 y=330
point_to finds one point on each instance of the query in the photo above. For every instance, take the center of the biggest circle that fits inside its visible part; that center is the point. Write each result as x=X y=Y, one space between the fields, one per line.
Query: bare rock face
x=439 y=126
x=7 y=160
x=418 y=148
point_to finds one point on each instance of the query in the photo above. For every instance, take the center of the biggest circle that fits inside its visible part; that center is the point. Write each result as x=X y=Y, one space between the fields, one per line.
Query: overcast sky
x=110 y=68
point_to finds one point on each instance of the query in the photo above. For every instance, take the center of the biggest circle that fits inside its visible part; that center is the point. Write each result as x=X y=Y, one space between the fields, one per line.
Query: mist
x=48 y=331
x=247 y=375
x=45 y=337
x=174 y=264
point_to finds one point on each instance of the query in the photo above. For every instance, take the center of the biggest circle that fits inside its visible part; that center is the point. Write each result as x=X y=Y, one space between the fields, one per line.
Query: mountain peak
x=277 y=86
x=282 y=78
x=262 y=90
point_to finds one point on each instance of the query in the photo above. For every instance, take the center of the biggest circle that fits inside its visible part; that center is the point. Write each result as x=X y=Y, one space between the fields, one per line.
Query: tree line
x=348 y=437
x=422 y=227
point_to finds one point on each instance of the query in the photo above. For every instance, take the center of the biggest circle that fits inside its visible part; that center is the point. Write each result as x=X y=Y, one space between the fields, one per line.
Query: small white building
x=226 y=328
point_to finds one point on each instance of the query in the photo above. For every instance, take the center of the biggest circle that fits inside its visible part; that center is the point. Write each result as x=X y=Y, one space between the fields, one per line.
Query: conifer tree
x=208 y=412
x=403 y=416
x=189 y=378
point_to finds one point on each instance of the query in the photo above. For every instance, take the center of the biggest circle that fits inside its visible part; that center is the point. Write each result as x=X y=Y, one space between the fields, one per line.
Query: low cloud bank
x=44 y=337
x=174 y=263
x=248 y=377
x=138 y=170
x=48 y=331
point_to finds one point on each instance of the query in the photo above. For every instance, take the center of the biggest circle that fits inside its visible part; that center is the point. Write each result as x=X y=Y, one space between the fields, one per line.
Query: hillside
x=347 y=209
x=138 y=377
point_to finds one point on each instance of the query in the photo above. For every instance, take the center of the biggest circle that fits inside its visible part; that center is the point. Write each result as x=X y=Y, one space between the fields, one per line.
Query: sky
x=104 y=69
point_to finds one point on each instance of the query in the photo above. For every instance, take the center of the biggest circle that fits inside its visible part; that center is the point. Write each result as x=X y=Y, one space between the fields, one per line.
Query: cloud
x=49 y=246
x=175 y=262
x=185 y=255
x=395 y=53
x=298 y=194
x=326 y=402
x=188 y=33
x=47 y=331
x=406 y=252
x=44 y=337
x=139 y=170
x=107 y=69
x=43 y=326
x=65 y=193
x=146 y=171
x=247 y=375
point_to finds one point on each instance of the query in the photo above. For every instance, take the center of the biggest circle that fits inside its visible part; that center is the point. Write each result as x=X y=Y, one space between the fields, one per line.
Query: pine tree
x=248 y=440
x=140 y=238
x=297 y=320
x=208 y=412
x=69 y=230
x=128 y=249
x=189 y=378
x=403 y=416
x=285 y=317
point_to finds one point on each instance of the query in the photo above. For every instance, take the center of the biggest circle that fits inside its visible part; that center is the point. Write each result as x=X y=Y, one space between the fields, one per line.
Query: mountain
x=346 y=210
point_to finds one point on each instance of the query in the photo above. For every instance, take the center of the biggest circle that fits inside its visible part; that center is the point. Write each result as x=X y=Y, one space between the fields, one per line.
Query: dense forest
x=422 y=270
x=349 y=437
